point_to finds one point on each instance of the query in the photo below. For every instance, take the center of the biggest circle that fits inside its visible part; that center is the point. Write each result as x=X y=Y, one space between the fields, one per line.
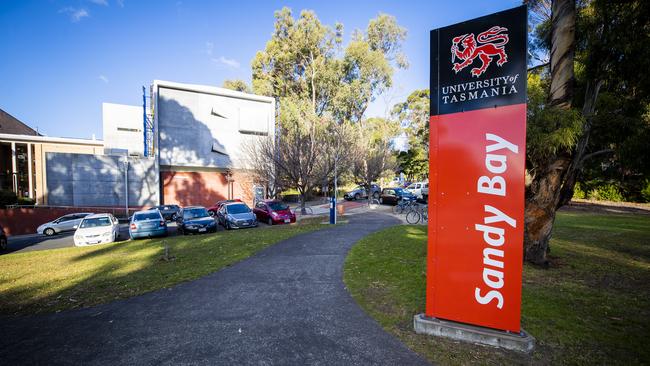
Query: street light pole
x=126 y=184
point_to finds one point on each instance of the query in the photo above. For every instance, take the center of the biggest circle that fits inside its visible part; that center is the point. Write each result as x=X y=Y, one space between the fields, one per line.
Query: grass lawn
x=591 y=307
x=53 y=280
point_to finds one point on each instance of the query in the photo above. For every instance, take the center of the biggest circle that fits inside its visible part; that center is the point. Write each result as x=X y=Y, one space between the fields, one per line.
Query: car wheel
x=173 y=217
x=375 y=195
x=3 y=244
x=49 y=231
x=357 y=196
x=227 y=225
x=270 y=222
x=115 y=236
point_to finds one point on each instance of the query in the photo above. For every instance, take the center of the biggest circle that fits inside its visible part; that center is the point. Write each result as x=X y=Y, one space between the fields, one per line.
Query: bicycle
x=401 y=206
x=308 y=210
x=373 y=202
x=417 y=215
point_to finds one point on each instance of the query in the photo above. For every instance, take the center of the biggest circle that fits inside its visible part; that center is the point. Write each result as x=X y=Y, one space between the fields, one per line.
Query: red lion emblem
x=491 y=44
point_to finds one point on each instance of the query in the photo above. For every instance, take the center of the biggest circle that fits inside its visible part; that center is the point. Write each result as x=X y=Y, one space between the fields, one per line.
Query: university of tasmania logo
x=485 y=46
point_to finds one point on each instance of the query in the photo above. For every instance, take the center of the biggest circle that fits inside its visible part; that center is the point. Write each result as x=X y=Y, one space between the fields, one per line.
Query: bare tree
x=373 y=154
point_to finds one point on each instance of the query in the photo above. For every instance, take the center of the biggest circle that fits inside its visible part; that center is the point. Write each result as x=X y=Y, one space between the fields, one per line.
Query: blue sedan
x=147 y=224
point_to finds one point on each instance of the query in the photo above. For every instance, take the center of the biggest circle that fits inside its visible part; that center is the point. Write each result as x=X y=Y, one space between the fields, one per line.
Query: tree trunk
x=588 y=109
x=563 y=21
x=542 y=197
x=543 y=194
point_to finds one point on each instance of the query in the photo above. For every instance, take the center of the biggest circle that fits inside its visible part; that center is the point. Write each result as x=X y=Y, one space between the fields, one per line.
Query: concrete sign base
x=523 y=342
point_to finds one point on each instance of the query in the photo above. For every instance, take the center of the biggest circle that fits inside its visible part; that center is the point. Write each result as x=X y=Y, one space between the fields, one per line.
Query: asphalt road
x=286 y=305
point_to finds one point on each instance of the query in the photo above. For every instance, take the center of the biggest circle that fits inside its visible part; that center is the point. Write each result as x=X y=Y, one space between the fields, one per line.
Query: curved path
x=286 y=305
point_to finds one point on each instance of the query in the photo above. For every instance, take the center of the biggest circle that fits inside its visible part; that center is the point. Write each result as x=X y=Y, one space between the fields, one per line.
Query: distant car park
x=236 y=215
x=147 y=224
x=97 y=229
x=392 y=196
x=64 y=223
x=274 y=212
x=360 y=192
x=169 y=212
x=212 y=210
x=195 y=220
x=417 y=188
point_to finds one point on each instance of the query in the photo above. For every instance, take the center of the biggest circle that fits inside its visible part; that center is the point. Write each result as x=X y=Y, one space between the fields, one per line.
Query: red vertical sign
x=477 y=162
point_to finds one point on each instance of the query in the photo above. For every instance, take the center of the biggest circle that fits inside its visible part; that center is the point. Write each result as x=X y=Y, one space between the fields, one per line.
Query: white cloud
x=120 y=3
x=209 y=46
x=100 y=2
x=75 y=14
x=103 y=78
x=226 y=61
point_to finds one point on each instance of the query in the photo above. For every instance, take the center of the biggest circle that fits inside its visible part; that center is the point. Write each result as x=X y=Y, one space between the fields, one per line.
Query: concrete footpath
x=287 y=305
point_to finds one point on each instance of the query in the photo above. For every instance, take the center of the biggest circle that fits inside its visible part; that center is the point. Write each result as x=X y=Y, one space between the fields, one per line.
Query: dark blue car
x=392 y=196
x=195 y=220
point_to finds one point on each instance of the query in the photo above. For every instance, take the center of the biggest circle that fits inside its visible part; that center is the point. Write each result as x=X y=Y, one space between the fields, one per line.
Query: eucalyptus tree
x=321 y=87
x=596 y=51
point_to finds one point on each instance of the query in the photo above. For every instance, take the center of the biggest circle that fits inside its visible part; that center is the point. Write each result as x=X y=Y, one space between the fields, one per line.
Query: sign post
x=476 y=187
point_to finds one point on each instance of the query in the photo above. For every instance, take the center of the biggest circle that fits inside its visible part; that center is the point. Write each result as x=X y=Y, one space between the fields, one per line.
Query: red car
x=274 y=212
x=212 y=210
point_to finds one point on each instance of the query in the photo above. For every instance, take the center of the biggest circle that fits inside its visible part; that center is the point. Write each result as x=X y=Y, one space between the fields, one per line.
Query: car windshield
x=195 y=213
x=95 y=222
x=278 y=206
x=358 y=188
x=140 y=216
x=237 y=209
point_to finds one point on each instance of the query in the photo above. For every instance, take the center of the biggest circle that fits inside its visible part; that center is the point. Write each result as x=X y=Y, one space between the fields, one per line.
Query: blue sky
x=59 y=60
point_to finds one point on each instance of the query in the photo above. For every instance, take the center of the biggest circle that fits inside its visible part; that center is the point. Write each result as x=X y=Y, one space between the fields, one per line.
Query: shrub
x=7 y=197
x=26 y=201
x=645 y=191
x=578 y=192
x=606 y=192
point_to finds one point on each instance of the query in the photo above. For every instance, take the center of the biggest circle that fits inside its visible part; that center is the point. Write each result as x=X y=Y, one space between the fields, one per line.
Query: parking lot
x=25 y=243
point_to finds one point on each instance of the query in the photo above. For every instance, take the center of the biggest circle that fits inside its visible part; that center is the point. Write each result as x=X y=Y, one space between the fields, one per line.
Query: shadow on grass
x=47 y=281
x=594 y=308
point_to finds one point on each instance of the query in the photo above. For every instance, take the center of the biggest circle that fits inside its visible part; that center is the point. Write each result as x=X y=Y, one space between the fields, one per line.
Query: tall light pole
x=126 y=184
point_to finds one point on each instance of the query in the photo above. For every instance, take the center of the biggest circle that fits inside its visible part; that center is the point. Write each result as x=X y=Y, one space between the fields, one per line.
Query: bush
x=578 y=192
x=606 y=192
x=645 y=191
x=7 y=198
x=26 y=201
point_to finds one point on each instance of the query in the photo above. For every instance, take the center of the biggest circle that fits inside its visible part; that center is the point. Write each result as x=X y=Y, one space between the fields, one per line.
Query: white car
x=416 y=188
x=97 y=229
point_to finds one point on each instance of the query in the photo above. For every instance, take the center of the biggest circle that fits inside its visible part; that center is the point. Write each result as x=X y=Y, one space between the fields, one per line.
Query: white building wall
x=201 y=126
x=123 y=128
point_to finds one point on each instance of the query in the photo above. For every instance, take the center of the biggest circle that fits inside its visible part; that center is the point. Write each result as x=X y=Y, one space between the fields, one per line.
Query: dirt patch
x=580 y=205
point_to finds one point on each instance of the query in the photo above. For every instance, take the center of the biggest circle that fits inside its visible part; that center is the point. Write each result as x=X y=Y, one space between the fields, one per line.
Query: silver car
x=64 y=223
x=236 y=215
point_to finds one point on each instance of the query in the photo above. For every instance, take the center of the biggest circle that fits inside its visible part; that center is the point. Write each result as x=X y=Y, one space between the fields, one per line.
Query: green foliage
x=645 y=191
x=237 y=85
x=303 y=61
x=26 y=201
x=578 y=192
x=7 y=197
x=414 y=163
x=606 y=192
x=549 y=131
